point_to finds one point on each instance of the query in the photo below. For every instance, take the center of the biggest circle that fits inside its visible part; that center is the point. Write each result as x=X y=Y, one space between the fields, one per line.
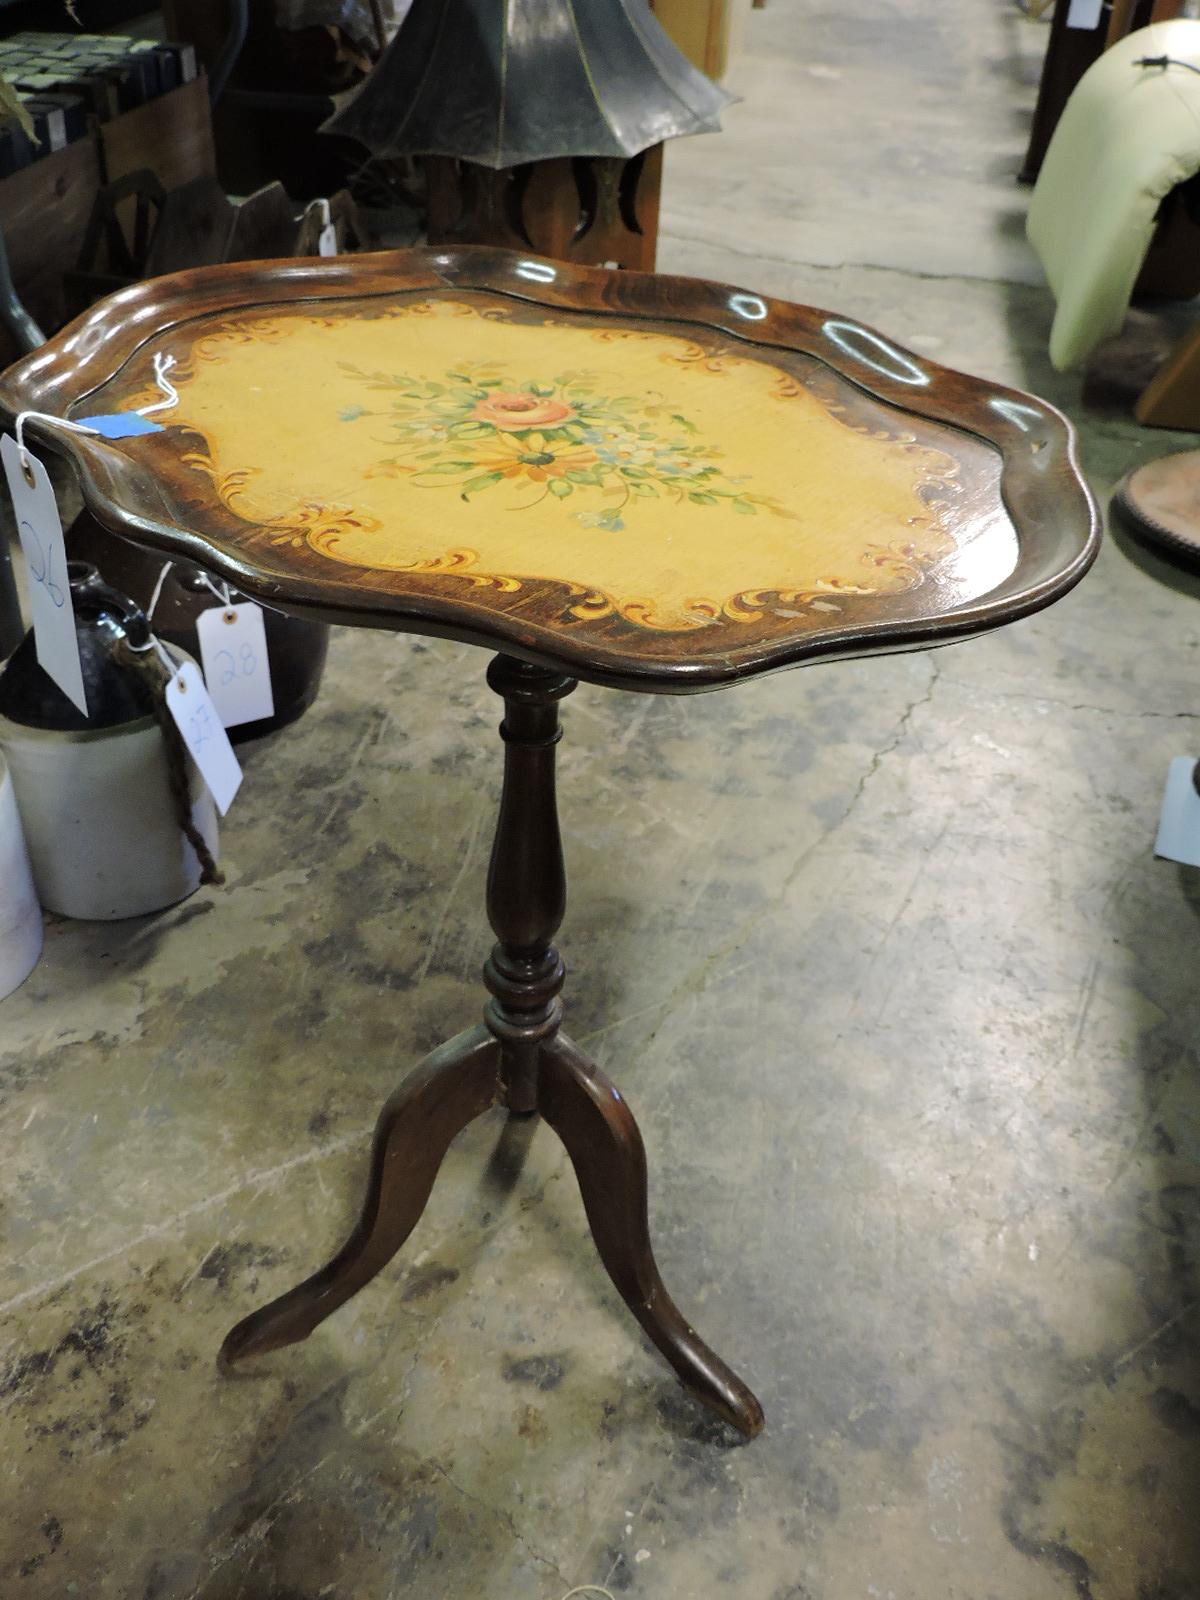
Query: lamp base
x=594 y=210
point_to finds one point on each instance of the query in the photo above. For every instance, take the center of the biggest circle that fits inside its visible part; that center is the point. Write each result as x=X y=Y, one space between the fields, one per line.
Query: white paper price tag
x=233 y=653
x=1179 y=822
x=208 y=744
x=327 y=240
x=1084 y=14
x=46 y=558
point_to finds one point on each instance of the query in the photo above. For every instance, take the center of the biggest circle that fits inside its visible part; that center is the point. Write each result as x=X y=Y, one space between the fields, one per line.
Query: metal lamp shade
x=505 y=82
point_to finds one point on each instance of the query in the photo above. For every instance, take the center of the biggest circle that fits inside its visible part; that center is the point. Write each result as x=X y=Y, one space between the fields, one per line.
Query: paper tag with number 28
x=208 y=744
x=233 y=653
x=41 y=534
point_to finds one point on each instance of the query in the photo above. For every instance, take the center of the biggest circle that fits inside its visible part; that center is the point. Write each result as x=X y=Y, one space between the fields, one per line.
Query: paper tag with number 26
x=233 y=653
x=207 y=742
x=41 y=534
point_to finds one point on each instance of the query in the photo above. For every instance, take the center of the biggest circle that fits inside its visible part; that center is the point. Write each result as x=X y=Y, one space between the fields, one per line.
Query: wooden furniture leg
x=1172 y=397
x=590 y=1116
x=543 y=1070
x=1126 y=15
x=519 y=1058
x=455 y=1084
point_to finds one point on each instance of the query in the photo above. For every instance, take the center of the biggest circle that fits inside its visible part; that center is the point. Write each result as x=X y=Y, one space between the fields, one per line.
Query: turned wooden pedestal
x=520 y=1058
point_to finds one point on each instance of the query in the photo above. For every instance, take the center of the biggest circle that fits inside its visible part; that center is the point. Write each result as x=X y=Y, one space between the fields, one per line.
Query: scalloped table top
x=655 y=482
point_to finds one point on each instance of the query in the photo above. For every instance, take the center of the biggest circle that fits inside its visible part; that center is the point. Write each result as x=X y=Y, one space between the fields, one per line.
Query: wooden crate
x=44 y=208
x=172 y=135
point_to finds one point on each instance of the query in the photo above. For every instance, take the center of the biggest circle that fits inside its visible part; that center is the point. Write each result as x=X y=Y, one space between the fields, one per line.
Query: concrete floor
x=880 y=952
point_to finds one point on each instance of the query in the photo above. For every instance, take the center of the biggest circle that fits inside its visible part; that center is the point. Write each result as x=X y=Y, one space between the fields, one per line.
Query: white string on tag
x=158 y=588
x=223 y=594
x=321 y=207
x=162 y=365
x=155 y=643
x=41 y=416
x=327 y=243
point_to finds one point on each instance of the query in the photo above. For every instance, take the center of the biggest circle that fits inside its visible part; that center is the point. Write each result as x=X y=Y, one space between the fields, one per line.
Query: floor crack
x=1068 y=705
x=503 y=1516
x=672 y=235
x=695 y=981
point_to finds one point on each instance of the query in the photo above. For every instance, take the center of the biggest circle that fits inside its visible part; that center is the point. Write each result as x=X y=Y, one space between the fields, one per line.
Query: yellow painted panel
x=661 y=480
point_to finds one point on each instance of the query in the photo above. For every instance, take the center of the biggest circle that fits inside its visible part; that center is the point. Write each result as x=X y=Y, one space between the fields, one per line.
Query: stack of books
x=67 y=80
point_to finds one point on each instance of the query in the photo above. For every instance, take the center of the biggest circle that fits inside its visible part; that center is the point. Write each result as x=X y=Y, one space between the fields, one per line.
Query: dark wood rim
x=1041 y=485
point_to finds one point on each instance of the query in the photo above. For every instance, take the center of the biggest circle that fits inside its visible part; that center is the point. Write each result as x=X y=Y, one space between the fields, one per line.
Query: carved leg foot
x=606 y=1150
x=450 y=1088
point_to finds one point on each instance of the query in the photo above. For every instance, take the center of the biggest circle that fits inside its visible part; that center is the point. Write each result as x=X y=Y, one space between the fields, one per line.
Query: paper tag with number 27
x=208 y=744
x=233 y=653
x=41 y=534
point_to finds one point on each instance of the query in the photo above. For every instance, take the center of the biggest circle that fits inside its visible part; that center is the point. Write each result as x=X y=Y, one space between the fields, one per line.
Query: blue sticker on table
x=119 y=424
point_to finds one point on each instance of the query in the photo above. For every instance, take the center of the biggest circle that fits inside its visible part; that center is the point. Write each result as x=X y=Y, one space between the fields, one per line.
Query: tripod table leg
x=452 y=1086
x=604 y=1144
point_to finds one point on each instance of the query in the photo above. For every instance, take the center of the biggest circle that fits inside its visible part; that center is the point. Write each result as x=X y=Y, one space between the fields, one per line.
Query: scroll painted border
x=1041 y=486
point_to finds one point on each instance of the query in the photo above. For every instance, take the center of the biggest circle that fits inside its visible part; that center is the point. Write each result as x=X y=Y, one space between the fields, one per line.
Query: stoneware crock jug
x=94 y=794
x=20 y=912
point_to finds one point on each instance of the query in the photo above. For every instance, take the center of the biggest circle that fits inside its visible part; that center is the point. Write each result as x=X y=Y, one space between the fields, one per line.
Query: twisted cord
x=156 y=677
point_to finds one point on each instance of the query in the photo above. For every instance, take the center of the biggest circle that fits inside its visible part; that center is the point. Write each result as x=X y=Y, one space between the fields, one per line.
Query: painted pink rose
x=514 y=413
